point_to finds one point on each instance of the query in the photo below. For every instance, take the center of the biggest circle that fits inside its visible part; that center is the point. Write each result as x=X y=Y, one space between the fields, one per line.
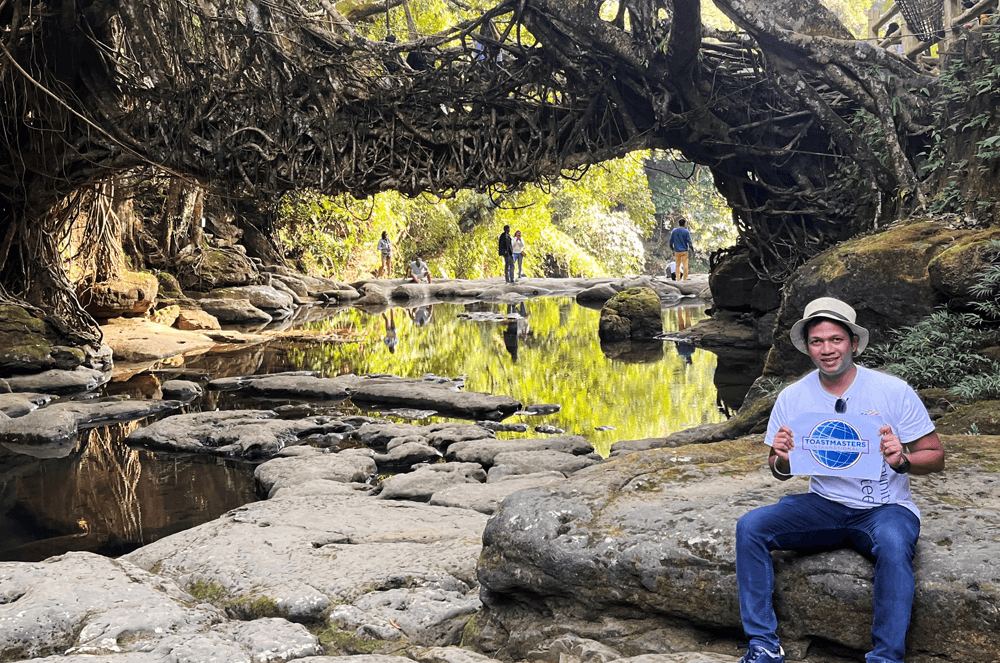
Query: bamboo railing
x=956 y=18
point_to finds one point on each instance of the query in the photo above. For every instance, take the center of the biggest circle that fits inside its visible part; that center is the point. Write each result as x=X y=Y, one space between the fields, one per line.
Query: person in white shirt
x=419 y=270
x=385 y=248
x=517 y=248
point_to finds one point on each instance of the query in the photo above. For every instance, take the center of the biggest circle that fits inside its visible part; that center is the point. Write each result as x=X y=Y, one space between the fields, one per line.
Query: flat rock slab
x=348 y=466
x=512 y=463
x=245 y=433
x=262 y=296
x=487 y=497
x=20 y=404
x=57 y=381
x=297 y=386
x=425 y=616
x=484 y=451
x=402 y=457
x=426 y=395
x=422 y=483
x=137 y=340
x=439 y=436
x=51 y=432
x=652 y=534
x=87 y=606
x=338 y=547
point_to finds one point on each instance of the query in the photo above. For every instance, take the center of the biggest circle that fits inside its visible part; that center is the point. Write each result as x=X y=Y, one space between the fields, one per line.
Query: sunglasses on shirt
x=840 y=406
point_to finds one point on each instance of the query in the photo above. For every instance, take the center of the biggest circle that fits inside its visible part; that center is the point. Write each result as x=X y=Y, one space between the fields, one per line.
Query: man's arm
x=926 y=455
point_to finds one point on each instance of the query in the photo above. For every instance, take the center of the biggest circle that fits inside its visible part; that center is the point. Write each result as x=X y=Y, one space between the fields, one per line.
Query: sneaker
x=757 y=654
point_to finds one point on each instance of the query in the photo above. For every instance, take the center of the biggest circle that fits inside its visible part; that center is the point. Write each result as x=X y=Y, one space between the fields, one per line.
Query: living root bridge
x=257 y=99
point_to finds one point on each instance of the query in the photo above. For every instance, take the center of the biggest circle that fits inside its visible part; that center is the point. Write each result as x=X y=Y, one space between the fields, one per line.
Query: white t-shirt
x=517 y=245
x=418 y=268
x=874 y=394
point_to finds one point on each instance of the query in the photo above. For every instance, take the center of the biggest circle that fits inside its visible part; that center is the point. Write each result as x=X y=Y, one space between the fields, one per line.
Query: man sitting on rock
x=877 y=517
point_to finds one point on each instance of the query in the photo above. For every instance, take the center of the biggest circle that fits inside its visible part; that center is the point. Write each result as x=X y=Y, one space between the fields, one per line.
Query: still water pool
x=549 y=352
x=111 y=499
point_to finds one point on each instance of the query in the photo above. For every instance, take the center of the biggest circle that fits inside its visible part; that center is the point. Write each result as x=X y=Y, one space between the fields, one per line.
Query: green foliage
x=680 y=188
x=942 y=351
x=965 y=115
x=592 y=226
x=322 y=233
x=849 y=175
x=987 y=289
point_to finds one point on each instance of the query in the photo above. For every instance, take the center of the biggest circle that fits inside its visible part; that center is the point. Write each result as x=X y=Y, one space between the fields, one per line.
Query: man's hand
x=783 y=442
x=891 y=447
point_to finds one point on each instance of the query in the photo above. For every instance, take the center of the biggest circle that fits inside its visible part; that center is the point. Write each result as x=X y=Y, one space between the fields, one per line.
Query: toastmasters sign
x=843 y=445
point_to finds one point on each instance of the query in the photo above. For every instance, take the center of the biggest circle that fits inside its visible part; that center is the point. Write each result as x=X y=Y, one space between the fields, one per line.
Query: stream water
x=110 y=498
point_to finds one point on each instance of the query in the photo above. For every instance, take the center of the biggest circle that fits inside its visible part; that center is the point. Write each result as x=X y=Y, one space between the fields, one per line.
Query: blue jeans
x=519 y=259
x=508 y=268
x=887 y=534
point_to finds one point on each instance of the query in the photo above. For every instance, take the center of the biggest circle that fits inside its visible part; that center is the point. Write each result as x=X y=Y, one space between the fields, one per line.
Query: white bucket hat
x=832 y=309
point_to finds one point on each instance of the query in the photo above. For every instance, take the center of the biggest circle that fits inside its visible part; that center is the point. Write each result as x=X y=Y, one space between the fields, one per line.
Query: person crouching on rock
x=419 y=270
x=876 y=516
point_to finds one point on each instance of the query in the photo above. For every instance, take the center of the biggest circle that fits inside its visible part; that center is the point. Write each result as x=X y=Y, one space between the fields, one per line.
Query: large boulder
x=264 y=297
x=885 y=277
x=128 y=295
x=632 y=314
x=646 y=542
x=215 y=268
x=954 y=271
x=30 y=343
x=233 y=311
x=195 y=319
x=733 y=281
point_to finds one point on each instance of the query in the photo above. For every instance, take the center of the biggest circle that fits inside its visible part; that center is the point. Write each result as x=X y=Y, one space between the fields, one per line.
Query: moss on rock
x=633 y=313
x=981 y=417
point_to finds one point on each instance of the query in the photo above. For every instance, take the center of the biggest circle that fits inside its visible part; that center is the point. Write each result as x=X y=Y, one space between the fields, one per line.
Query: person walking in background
x=680 y=244
x=517 y=250
x=385 y=248
x=419 y=270
x=504 y=247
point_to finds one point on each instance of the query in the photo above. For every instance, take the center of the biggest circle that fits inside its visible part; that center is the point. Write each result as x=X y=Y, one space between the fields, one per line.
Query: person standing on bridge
x=875 y=516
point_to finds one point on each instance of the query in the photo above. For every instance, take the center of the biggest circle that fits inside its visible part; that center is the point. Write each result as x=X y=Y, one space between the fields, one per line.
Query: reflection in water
x=644 y=392
x=111 y=499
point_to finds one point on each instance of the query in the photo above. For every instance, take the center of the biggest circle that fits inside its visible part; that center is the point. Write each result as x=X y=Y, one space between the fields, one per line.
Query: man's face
x=831 y=348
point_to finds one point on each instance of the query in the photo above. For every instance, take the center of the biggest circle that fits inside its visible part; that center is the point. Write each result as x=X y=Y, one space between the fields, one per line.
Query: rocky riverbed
x=383 y=542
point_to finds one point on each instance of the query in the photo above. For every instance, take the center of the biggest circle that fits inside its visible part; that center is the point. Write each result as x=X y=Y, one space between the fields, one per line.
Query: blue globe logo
x=835 y=430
